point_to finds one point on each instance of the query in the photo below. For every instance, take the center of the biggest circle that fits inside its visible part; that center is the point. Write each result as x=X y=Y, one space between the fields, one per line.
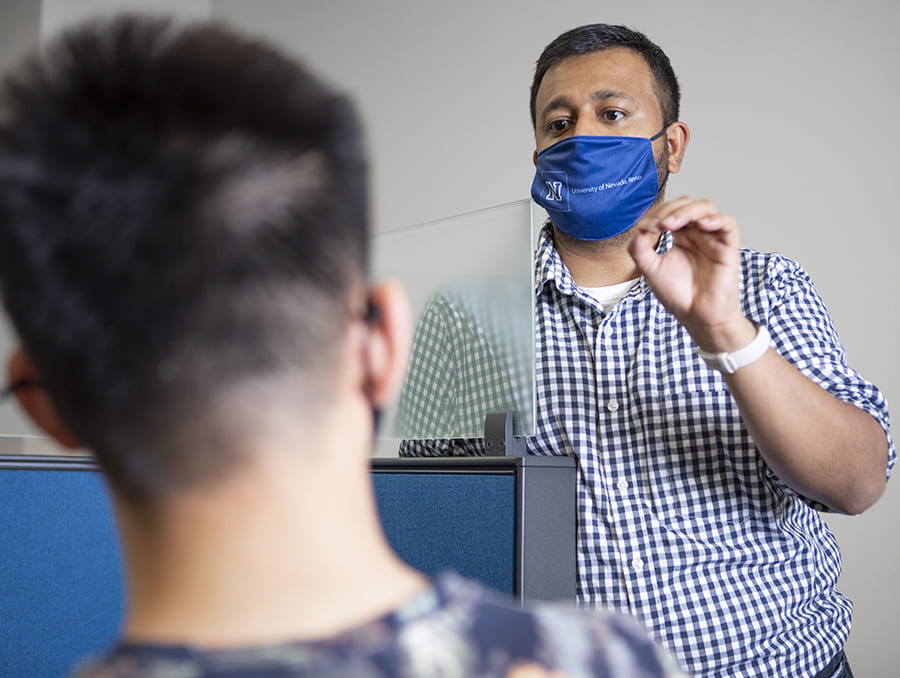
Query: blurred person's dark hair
x=180 y=211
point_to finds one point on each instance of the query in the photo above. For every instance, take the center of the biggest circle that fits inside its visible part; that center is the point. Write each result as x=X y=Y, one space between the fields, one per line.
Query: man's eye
x=558 y=125
x=612 y=116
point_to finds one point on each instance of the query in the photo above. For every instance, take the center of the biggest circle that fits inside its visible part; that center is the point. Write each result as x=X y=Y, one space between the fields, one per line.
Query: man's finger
x=688 y=213
x=651 y=220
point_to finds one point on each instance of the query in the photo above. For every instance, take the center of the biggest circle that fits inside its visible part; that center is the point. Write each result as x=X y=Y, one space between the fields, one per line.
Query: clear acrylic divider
x=470 y=280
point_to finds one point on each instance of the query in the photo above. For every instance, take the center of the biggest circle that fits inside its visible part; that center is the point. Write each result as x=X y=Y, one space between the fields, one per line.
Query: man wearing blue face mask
x=701 y=386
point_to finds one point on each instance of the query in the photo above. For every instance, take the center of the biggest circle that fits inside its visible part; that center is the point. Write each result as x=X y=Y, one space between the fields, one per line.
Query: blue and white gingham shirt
x=681 y=523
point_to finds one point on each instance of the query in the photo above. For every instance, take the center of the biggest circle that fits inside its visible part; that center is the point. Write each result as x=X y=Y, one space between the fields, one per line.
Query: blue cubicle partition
x=506 y=521
x=61 y=585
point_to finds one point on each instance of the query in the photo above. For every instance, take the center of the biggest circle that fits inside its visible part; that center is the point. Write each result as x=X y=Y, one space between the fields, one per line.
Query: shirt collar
x=549 y=266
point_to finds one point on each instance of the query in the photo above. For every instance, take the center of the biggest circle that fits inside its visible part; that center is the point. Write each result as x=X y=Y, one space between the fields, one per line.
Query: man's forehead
x=617 y=69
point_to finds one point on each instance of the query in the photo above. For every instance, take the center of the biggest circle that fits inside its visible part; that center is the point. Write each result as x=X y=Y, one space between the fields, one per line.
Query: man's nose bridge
x=587 y=125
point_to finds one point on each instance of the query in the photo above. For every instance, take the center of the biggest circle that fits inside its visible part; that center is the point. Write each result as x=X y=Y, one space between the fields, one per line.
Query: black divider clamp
x=498 y=436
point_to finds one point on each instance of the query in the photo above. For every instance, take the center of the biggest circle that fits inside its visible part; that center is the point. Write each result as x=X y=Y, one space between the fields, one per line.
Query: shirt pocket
x=703 y=469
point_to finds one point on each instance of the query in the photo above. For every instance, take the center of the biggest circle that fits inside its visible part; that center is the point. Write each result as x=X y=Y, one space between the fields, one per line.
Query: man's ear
x=390 y=336
x=677 y=137
x=534 y=158
x=35 y=401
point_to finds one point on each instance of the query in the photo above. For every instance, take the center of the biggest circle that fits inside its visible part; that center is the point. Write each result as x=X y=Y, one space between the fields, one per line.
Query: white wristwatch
x=729 y=363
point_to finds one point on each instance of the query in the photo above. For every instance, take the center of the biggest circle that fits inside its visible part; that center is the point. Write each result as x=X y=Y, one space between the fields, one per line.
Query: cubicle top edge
x=468 y=464
x=379 y=465
x=22 y=462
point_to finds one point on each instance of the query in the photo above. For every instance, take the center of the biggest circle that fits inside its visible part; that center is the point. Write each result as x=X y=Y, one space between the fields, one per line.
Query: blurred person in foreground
x=183 y=246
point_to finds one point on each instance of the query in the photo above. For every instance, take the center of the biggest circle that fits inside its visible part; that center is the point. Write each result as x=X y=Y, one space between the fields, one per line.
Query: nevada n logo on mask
x=554 y=190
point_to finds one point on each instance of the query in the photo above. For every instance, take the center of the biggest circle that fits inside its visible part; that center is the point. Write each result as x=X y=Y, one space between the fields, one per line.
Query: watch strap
x=729 y=363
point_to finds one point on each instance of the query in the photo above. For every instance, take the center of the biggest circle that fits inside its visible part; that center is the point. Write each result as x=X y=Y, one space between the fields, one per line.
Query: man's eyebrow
x=604 y=94
x=564 y=101
x=558 y=102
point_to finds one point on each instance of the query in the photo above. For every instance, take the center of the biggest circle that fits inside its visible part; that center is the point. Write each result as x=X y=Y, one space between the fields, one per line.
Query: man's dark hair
x=182 y=210
x=598 y=37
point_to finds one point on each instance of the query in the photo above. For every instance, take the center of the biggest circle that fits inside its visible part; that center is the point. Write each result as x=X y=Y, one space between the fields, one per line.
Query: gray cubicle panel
x=506 y=521
x=513 y=519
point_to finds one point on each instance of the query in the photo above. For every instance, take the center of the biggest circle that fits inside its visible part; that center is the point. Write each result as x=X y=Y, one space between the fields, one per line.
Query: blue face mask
x=594 y=188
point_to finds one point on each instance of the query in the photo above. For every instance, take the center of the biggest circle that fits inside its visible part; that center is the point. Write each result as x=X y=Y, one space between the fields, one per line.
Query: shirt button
x=622 y=485
x=608 y=331
x=612 y=405
x=637 y=564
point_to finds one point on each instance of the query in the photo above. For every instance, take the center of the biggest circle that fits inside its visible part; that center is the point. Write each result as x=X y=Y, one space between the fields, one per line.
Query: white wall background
x=792 y=106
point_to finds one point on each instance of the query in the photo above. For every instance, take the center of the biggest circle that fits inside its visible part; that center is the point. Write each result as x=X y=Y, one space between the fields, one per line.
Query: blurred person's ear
x=35 y=400
x=390 y=337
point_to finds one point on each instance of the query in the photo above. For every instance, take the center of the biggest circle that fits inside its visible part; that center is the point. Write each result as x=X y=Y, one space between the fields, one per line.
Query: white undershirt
x=609 y=295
